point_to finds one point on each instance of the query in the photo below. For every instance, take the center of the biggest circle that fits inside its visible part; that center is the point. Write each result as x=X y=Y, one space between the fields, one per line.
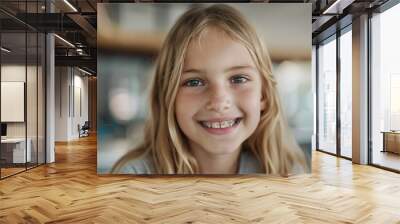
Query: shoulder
x=300 y=164
x=249 y=164
x=140 y=165
x=298 y=169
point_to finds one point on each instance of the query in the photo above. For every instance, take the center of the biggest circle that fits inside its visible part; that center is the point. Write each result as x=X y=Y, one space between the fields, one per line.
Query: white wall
x=70 y=83
x=62 y=81
x=16 y=73
x=33 y=126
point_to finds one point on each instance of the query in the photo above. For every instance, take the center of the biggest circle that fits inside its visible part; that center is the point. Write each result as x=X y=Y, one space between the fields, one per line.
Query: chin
x=222 y=149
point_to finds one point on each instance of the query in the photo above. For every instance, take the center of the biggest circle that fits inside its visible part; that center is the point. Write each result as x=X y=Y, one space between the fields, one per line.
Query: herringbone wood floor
x=70 y=191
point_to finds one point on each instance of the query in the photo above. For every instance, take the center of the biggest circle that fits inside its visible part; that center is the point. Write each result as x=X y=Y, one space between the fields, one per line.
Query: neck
x=225 y=163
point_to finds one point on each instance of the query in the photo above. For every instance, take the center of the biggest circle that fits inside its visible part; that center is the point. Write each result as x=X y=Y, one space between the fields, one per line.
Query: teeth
x=215 y=125
x=222 y=124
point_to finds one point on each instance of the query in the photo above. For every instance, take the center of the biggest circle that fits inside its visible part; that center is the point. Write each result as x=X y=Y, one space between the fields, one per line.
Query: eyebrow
x=240 y=67
x=193 y=70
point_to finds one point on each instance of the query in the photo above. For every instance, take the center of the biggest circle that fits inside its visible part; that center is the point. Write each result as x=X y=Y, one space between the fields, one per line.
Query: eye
x=193 y=83
x=237 y=79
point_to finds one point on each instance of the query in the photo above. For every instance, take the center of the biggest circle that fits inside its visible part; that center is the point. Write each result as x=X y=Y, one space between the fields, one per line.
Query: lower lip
x=221 y=131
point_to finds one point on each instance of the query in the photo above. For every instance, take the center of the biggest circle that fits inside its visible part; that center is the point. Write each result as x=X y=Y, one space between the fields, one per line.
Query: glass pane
x=14 y=153
x=327 y=97
x=346 y=94
x=41 y=98
x=31 y=100
x=386 y=89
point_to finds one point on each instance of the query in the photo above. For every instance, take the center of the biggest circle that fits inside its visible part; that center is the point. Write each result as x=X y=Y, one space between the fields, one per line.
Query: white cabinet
x=18 y=149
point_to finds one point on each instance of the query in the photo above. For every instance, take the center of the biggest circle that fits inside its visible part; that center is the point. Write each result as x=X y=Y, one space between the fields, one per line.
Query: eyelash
x=234 y=78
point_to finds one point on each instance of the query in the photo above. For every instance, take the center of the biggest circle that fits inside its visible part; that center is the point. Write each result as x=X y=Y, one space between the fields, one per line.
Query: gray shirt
x=248 y=164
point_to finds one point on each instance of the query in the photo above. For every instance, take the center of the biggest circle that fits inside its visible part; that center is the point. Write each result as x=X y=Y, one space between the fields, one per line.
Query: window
x=22 y=65
x=327 y=96
x=385 y=89
x=346 y=93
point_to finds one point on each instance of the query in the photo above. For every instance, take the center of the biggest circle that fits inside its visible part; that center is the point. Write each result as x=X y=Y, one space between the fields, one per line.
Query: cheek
x=185 y=105
x=250 y=99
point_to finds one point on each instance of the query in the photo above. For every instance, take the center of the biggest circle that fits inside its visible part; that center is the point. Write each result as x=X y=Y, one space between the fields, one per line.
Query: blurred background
x=129 y=37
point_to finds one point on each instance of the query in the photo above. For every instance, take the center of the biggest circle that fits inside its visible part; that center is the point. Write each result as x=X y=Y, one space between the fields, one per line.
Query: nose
x=219 y=99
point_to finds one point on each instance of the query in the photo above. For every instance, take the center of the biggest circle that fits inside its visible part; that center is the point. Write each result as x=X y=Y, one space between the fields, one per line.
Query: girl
x=214 y=107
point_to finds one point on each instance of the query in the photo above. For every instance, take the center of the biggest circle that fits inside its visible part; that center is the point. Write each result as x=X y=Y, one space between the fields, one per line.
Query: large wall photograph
x=204 y=88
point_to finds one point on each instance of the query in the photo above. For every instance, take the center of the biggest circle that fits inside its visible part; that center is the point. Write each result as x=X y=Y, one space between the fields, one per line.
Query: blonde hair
x=276 y=150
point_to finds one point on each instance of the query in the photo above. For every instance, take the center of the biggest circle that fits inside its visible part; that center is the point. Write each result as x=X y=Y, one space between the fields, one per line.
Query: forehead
x=215 y=47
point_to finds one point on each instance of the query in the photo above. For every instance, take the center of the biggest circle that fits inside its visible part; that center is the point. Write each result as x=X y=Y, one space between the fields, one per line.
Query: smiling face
x=218 y=102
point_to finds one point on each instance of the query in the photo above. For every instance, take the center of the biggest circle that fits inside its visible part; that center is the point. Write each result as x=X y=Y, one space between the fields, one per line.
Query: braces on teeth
x=223 y=124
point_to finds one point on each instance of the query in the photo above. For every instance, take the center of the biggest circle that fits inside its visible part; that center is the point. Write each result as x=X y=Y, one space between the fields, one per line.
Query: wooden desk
x=13 y=150
x=391 y=141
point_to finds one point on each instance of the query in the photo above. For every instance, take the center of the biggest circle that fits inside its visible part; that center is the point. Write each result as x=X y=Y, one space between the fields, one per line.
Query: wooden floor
x=70 y=191
x=5 y=172
x=10 y=171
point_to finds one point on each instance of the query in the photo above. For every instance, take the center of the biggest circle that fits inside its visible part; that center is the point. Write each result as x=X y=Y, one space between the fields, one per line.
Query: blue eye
x=239 y=79
x=193 y=83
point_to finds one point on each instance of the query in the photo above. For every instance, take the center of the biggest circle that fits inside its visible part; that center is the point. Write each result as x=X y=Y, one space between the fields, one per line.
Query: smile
x=220 y=124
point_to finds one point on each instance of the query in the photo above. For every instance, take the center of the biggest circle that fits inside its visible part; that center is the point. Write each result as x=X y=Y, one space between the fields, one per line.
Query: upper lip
x=219 y=119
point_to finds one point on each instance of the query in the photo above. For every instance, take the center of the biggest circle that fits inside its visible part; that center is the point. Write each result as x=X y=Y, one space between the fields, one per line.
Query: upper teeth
x=222 y=124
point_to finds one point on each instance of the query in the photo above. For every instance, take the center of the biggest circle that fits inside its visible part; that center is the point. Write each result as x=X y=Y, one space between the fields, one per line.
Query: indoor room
x=236 y=111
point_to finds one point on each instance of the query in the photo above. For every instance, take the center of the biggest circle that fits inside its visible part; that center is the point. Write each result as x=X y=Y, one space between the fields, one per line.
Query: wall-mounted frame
x=12 y=101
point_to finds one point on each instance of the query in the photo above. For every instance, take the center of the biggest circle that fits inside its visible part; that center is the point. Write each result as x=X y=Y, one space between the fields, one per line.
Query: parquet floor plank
x=70 y=191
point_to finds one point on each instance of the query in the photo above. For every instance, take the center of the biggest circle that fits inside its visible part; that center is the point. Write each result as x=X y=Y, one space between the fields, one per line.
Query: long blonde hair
x=272 y=145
